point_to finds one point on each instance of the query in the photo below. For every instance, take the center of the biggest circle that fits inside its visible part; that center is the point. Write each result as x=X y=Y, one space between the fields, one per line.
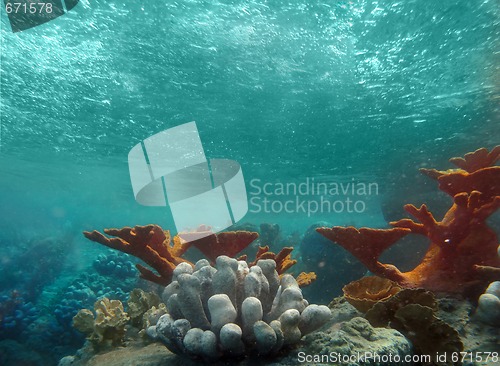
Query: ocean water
x=354 y=95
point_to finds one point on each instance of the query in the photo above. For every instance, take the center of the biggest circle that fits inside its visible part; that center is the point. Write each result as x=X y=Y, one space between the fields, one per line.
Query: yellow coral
x=108 y=326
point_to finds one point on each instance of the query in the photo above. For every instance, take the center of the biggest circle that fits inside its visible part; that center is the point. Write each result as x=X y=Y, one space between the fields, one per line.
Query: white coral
x=231 y=310
x=488 y=307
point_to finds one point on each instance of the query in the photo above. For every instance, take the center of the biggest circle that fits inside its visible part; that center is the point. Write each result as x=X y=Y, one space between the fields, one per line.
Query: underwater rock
x=333 y=339
x=238 y=328
x=357 y=337
x=428 y=334
x=413 y=313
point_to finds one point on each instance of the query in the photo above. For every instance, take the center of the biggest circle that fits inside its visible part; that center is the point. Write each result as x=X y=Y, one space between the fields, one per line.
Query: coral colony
x=229 y=310
x=463 y=251
x=226 y=307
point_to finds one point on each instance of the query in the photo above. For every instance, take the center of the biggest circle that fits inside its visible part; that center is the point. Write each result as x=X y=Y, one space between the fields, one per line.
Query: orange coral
x=463 y=247
x=283 y=261
x=367 y=291
x=478 y=159
x=367 y=245
x=305 y=279
x=149 y=243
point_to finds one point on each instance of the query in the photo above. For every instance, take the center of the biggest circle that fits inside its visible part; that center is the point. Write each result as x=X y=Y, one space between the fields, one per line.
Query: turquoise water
x=289 y=90
x=338 y=91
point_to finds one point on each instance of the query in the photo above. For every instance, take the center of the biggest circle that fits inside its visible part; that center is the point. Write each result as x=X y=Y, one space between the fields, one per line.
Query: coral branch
x=149 y=243
x=226 y=243
x=366 y=244
x=305 y=279
x=478 y=159
x=462 y=250
x=488 y=272
x=486 y=181
x=283 y=259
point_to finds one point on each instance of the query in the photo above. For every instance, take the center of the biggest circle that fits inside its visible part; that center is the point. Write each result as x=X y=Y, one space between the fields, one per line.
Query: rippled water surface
x=291 y=90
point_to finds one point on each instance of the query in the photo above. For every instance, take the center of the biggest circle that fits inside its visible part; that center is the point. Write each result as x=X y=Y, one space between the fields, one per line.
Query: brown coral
x=283 y=261
x=367 y=245
x=151 y=244
x=367 y=291
x=462 y=254
x=213 y=245
x=283 y=258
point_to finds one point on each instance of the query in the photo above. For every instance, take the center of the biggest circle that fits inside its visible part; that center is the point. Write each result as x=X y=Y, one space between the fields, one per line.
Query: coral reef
x=344 y=335
x=367 y=291
x=117 y=265
x=234 y=310
x=37 y=264
x=108 y=325
x=156 y=248
x=153 y=245
x=461 y=257
x=16 y=314
x=39 y=317
x=152 y=316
